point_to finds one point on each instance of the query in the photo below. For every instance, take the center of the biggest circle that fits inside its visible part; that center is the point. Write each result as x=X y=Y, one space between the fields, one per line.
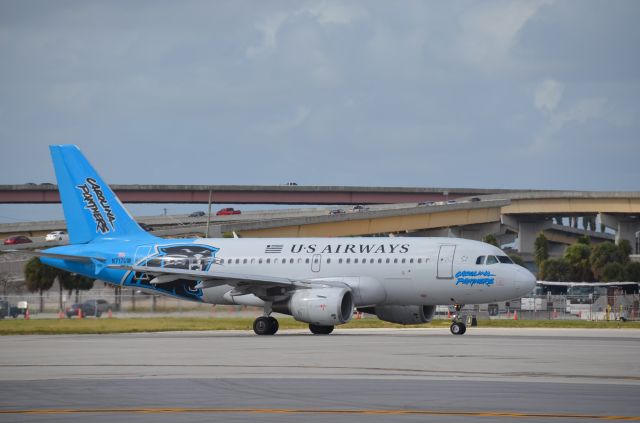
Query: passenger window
x=259 y=261
x=328 y=260
x=244 y=261
x=480 y=260
x=355 y=260
x=291 y=261
x=491 y=260
x=268 y=261
x=379 y=260
x=307 y=261
x=340 y=261
x=371 y=261
x=395 y=260
x=348 y=260
x=410 y=260
x=388 y=260
x=275 y=261
x=404 y=260
x=237 y=261
x=221 y=261
x=419 y=260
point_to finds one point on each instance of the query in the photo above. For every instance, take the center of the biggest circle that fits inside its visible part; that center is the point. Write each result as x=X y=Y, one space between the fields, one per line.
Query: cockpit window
x=491 y=260
x=505 y=259
x=480 y=260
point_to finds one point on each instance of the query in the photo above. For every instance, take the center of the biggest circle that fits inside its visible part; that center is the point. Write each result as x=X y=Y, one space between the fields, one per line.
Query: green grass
x=160 y=324
x=568 y=324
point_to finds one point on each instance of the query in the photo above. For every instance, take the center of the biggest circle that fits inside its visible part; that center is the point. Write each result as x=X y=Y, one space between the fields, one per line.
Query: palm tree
x=39 y=277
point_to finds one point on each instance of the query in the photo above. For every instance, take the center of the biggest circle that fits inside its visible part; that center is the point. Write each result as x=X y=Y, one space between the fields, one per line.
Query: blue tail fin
x=91 y=209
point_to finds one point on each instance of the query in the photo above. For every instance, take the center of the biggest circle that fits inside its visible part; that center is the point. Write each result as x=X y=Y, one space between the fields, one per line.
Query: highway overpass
x=506 y=215
x=249 y=194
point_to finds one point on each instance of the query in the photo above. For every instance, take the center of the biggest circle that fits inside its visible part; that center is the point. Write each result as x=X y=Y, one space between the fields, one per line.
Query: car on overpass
x=197 y=214
x=227 y=211
x=17 y=239
x=57 y=236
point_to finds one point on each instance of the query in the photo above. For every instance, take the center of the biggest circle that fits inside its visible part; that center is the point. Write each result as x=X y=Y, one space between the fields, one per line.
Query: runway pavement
x=351 y=375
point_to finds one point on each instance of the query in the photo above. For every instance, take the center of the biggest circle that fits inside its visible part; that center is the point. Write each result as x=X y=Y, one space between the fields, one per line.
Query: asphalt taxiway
x=352 y=375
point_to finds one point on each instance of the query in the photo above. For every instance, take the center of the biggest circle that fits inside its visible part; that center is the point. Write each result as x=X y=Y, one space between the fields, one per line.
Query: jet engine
x=319 y=306
x=405 y=315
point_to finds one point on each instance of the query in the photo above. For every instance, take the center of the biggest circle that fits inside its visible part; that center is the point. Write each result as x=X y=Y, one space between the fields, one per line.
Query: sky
x=481 y=94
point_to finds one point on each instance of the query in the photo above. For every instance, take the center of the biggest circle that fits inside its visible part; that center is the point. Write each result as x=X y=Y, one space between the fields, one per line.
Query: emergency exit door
x=315 y=262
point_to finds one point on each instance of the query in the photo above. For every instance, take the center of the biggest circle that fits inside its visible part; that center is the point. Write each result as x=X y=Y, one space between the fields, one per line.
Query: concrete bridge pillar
x=528 y=230
x=478 y=231
x=625 y=227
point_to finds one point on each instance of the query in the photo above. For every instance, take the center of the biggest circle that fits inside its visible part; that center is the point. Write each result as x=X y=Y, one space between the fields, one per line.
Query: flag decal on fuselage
x=273 y=249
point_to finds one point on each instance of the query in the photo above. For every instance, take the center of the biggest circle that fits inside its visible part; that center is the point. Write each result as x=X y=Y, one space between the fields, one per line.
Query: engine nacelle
x=321 y=306
x=405 y=315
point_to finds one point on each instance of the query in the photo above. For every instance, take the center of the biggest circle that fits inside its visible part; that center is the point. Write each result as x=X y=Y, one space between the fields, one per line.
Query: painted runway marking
x=508 y=414
x=381 y=370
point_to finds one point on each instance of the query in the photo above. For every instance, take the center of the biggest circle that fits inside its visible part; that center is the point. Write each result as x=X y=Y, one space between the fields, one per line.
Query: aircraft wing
x=214 y=278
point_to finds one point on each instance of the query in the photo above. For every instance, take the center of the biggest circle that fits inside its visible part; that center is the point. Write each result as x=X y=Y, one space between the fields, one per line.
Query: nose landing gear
x=457 y=326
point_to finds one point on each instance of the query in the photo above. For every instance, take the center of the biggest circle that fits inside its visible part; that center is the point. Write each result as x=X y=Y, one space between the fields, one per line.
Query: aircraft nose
x=525 y=281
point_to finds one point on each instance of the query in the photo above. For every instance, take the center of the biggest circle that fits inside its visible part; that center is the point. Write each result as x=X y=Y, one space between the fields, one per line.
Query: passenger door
x=445 y=261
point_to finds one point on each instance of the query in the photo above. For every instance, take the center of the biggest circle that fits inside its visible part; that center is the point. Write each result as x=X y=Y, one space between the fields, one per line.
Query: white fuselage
x=399 y=271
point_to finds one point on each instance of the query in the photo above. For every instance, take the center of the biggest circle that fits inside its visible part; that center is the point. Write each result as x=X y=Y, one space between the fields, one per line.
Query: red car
x=227 y=211
x=16 y=239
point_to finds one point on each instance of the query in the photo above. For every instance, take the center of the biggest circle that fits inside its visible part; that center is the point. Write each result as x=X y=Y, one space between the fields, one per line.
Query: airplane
x=318 y=281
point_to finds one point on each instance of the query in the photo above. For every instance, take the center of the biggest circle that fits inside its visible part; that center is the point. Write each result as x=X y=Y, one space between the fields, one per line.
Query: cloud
x=584 y=110
x=335 y=13
x=301 y=114
x=580 y=112
x=268 y=28
x=324 y=13
x=548 y=95
x=490 y=31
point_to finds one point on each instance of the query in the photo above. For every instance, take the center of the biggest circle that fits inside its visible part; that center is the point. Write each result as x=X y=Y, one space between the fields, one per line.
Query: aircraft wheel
x=263 y=325
x=458 y=328
x=274 y=325
x=320 y=330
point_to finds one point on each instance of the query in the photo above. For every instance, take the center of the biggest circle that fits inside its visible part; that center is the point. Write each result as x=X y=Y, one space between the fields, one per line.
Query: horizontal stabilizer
x=67 y=257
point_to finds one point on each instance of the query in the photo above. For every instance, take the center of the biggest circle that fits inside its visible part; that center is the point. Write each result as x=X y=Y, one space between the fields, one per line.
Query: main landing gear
x=457 y=326
x=265 y=325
